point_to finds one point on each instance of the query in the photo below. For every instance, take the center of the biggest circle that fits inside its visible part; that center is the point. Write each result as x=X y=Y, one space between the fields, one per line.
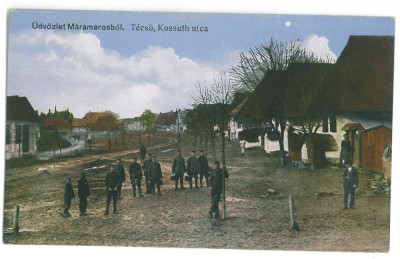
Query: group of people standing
x=195 y=167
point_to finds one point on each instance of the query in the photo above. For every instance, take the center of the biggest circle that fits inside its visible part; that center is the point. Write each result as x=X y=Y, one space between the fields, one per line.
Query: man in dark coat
x=155 y=175
x=217 y=182
x=112 y=182
x=121 y=170
x=142 y=152
x=136 y=176
x=146 y=165
x=345 y=151
x=83 y=193
x=179 y=168
x=350 y=182
x=193 y=169
x=68 y=196
x=204 y=168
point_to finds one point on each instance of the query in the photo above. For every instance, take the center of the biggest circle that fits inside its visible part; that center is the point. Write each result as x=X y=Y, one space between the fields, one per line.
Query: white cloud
x=319 y=46
x=73 y=70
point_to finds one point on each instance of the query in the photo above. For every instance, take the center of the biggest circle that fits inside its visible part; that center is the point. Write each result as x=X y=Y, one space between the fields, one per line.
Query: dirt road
x=255 y=219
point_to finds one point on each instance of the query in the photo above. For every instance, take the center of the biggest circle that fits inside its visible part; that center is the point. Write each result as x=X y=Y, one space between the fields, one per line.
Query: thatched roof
x=19 y=108
x=238 y=101
x=106 y=123
x=267 y=99
x=166 y=119
x=303 y=81
x=362 y=78
x=78 y=123
x=101 y=121
x=90 y=118
x=60 y=124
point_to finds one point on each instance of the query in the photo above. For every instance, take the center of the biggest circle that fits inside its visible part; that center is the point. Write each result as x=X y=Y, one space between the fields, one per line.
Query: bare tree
x=272 y=56
x=218 y=96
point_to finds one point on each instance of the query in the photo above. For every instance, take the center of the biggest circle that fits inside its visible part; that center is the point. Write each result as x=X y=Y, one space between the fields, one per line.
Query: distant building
x=101 y=124
x=237 y=125
x=58 y=124
x=132 y=124
x=79 y=130
x=169 y=121
x=22 y=128
x=266 y=102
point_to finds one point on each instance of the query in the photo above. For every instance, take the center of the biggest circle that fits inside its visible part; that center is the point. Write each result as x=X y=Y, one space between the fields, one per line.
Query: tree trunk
x=213 y=147
x=195 y=142
x=109 y=141
x=206 y=145
x=224 y=166
x=310 y=150
x=223 y=146
x=200 y=141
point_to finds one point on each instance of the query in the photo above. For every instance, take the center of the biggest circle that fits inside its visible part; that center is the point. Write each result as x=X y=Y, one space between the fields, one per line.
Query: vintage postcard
x=199 y=130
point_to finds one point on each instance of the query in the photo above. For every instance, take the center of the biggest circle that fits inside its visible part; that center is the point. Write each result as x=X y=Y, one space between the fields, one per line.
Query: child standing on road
x=68 y=195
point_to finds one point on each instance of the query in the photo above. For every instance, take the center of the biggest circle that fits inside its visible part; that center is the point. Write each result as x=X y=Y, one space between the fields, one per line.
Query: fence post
x=293 y=221
x=16 y=220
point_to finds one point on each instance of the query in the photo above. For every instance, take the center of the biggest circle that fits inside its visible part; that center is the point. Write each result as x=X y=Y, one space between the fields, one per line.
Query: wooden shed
x=374 y=142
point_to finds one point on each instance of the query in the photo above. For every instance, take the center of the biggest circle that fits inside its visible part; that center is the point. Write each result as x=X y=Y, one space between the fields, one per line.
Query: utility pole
x=179 y=135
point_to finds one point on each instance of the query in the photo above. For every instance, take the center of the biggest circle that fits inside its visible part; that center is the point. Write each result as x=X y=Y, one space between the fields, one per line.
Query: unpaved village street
x=255 y=219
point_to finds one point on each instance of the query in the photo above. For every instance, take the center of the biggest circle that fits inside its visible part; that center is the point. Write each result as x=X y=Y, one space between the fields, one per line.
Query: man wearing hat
x=345 y=151
x=146 y=165
x=204 y=168
x=350 y=182
x=217 y=182
x=83 y=193
x=155 y=175
x=193 y=169
x=112 y=182
x=136 y=176
x=121 y=170
x=179 y=168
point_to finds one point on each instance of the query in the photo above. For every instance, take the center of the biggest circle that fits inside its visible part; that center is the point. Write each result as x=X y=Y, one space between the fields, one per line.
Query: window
x=332 y=122
x=18 y=134
x=8 y=134
x=325 y=125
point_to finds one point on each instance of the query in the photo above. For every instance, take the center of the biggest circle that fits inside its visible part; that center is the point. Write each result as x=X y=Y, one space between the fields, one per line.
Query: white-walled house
x=359 y=93
x=22 y=127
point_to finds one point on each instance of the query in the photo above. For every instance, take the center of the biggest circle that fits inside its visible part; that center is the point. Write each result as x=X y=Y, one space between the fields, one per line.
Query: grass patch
x=25 y=160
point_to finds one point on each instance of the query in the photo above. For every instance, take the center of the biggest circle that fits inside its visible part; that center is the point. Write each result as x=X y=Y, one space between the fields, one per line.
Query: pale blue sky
x=144 y=69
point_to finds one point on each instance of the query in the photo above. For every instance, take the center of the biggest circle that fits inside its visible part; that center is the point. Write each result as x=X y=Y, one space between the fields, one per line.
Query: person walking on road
x=155 y=176
x=68 y=196
x=121 y=171
x=204 y=168
x=217 y=182
x=146 y=165
x=83 y=194
x=112 y=182
x=193 y=169
x=350 y=182
x=242 y=147
x=178 y=169
x=136 y=176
